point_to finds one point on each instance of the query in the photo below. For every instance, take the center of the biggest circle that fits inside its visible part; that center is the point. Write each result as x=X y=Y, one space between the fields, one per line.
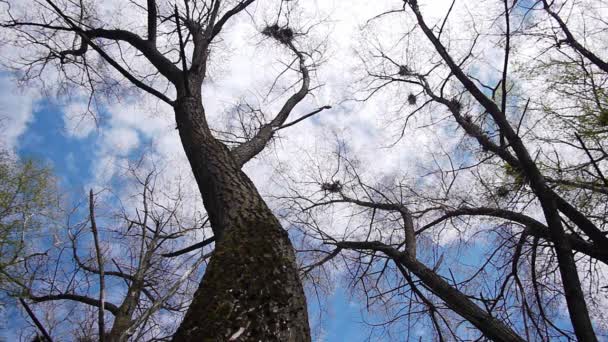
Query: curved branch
x=454 y=299
x=217 y=28
x=533 y=228
x=577 y=306
x=163 y=65
x=550 y=200
x=146 y=47
x=570 y=40
x=249 y=149
x=76 y=298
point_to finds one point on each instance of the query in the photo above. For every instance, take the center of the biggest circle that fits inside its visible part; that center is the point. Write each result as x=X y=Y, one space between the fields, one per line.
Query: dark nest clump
x=334 y=186
x=503 y=191
x=411 y=99
x=404 y=70
x=455 y=104
x=282 y=34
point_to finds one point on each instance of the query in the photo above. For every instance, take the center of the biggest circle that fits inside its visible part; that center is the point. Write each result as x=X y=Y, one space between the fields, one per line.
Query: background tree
x=118 y=267
x=28 y=202
x=480 y=215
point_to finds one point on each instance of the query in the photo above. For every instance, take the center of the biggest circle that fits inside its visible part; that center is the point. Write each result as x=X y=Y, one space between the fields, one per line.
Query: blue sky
x=46 y=140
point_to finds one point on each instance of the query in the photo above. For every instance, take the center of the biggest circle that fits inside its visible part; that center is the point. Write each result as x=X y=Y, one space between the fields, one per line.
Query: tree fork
x=251 y=288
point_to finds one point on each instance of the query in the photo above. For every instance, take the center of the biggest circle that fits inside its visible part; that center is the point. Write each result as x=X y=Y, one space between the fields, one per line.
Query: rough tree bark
x=251 y=288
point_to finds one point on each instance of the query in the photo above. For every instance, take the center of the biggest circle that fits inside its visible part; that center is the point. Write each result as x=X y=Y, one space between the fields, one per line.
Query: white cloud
x=243 y=66
x=16 y=111
x=120 y=141
x=78 y=119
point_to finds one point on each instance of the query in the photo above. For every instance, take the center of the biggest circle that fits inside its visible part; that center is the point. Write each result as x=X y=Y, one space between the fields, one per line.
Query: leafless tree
x=527 y=177
x=122 y=263
x=251 y=288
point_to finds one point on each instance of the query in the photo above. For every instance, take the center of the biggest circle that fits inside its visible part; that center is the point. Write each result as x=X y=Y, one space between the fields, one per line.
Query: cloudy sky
x=90 y=145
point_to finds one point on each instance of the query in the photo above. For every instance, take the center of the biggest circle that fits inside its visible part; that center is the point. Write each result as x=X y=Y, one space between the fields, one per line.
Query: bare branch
x=100 y=264
x=247 y=150
x=35 y=320
x=77 y=298
x=191 y=248
x=304 y=117
x=571 y=40
x=456 y=300
x=152 y=23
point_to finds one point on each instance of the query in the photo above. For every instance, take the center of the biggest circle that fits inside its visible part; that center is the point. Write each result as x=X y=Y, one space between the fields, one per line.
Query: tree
x=150 y=277
x=251 y=288
x=501 y=224
x=28 y=199
x=521 y=160
x=527 y=178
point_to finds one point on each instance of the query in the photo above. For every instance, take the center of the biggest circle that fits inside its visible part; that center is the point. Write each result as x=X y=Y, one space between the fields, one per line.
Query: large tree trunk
x=123 y=319
x=251 y=288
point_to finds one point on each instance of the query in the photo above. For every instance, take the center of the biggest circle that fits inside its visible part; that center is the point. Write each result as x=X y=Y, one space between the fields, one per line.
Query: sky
x=46 y=139
x=91 y=147
x=86 y=154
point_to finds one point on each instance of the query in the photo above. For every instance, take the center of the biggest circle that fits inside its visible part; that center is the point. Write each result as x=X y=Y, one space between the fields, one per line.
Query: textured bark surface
x=123 y=319
x=251 y=288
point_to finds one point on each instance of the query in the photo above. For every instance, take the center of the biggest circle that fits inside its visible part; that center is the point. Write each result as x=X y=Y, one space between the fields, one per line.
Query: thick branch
x=249 y=149
x=217 y=28
x=190 y=248
x=146 y=47
x=533 y=228
x=202 y=40
x=77 y=298
x=406 y=215
x=152 y=22
x=454 y=299
x=579 y=313
x=163 y=65
x=35 y=320
x=580 y=185
x=573 y=42
x=523 y=162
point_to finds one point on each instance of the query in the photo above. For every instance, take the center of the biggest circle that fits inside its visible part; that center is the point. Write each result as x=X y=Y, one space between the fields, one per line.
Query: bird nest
x=334 y=186
x=404 y=70
x=282 y=34
x=411 y=99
